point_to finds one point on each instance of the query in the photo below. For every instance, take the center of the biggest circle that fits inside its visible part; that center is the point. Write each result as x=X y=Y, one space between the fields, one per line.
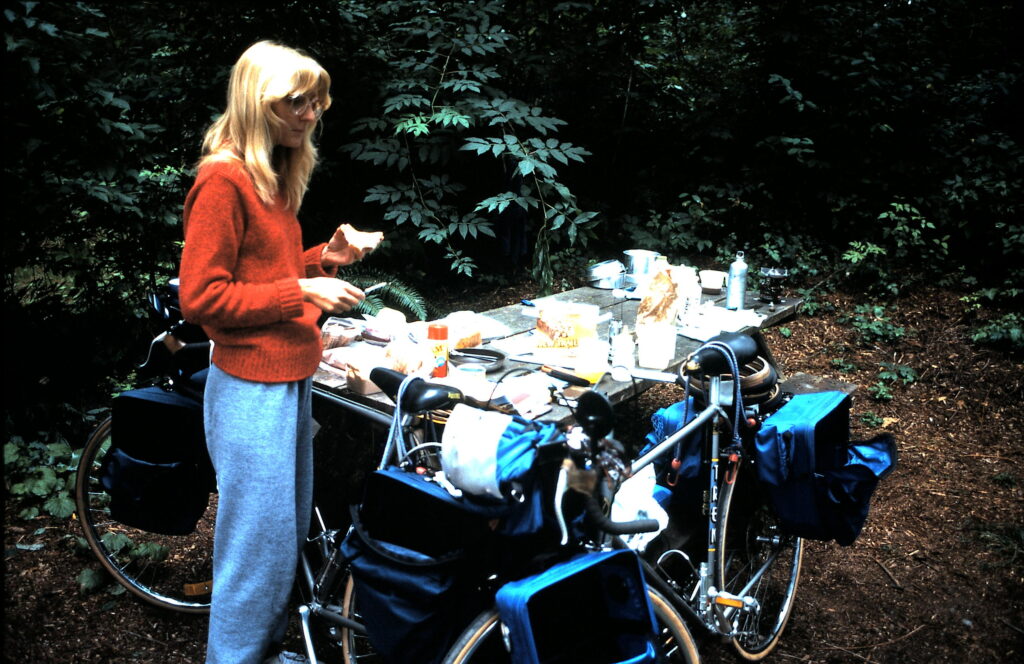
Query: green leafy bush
x=880 y=392
x=1005 y=330
x=894 y=372
x=39 y=475
x=440 y=101
x=844 y=365
x=871 y=420
x=873 y=324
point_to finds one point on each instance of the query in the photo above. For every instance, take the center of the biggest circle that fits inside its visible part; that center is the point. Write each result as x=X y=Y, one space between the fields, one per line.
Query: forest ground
x=936 y=576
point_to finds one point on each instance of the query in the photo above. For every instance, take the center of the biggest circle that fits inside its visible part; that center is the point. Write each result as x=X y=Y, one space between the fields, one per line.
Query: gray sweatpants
x=260 y=441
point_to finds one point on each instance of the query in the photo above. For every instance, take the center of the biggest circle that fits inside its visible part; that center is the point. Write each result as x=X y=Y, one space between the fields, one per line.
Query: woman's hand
x=348 y=245
x=330 y=295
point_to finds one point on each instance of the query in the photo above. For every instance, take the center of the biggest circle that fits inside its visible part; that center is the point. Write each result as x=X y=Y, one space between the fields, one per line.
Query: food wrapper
x=564 y=326
x=337 y=332
x=409 y=357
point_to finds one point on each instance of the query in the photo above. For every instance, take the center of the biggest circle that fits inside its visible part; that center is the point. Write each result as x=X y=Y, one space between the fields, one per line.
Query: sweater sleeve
x=210 y=295
x=314 y=267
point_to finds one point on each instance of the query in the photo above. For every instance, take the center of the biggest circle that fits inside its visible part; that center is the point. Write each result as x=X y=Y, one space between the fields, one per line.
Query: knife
x=572 y=379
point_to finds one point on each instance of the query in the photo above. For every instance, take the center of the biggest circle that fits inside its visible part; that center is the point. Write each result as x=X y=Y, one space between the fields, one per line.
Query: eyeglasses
x=299 y=104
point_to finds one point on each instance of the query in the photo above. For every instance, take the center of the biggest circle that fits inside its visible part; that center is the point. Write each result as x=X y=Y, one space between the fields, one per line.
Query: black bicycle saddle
x=419 y=395
x=712 y=361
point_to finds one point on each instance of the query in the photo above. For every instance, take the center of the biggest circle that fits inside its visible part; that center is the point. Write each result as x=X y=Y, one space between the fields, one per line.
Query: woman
x=246 y=279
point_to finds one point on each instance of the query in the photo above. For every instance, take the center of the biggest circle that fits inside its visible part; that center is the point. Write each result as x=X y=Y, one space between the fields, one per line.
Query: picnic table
x=516 y=321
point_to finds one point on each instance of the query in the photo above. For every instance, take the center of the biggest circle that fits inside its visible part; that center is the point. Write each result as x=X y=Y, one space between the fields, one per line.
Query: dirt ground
x=936 y=576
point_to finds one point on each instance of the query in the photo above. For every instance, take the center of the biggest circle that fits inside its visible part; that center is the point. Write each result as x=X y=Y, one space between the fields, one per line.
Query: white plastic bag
x=635 y=500
x=469 y=449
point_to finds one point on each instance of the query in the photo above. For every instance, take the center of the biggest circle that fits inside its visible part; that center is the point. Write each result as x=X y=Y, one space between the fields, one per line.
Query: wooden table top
x=517 y=320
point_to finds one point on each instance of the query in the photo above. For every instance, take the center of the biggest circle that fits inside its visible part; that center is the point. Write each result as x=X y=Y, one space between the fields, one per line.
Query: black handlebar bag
x=157 y=471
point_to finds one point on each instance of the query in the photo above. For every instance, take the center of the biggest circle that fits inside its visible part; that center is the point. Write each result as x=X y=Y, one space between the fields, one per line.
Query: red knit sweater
x=239 y=278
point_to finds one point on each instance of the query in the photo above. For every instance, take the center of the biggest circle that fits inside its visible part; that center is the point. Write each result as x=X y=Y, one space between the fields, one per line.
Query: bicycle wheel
x=755 y=559
x=482 y=642
x=170 y=571
x=355 y=647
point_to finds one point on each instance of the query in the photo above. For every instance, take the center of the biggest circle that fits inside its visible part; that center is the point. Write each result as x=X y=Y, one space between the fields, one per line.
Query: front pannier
x=819 y=481
x=593 y=608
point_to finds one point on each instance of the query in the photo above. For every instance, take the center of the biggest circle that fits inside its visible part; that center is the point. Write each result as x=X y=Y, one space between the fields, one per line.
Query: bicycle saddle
x=712 y=361
x=419 y=395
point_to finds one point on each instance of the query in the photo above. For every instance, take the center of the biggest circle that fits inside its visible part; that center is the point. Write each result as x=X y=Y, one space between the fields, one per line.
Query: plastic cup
x=656 y=345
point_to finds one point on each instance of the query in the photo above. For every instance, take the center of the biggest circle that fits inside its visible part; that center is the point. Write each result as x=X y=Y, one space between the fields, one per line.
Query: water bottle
x=736 y=286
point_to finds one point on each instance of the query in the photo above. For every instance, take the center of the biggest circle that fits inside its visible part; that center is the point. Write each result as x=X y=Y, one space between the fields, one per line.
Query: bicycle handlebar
x=598 y=519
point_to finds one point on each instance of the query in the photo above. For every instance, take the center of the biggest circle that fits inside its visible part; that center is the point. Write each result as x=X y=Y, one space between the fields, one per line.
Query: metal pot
x=640 y=261
x=606 y=274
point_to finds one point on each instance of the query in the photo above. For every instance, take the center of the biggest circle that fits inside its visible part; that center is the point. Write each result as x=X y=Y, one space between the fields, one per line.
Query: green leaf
x=60 y=506
x=35 y=546
x=90 y=580
x=116 y=542
x=150 y=551
x=12 y=453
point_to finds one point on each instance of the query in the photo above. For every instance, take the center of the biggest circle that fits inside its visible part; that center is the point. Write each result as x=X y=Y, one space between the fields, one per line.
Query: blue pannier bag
x=157 y=471
x=417 y=554
x=820 y=483
x=665 y=422
x=593 y=608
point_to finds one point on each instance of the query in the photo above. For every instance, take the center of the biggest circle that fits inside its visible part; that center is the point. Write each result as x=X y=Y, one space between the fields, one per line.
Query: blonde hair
x=265 y=73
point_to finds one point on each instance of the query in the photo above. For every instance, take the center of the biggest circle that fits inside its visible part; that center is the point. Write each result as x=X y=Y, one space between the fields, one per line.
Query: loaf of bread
x=463 y=330
x=660 y=302
x=464 y=338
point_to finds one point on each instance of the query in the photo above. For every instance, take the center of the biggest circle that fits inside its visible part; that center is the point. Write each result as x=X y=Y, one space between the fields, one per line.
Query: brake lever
x=561 y=486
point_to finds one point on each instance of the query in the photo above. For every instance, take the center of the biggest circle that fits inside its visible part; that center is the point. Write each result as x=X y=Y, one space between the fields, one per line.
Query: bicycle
x=168 y=571
x=585 y=447
x=175 y=571
x=739 y=581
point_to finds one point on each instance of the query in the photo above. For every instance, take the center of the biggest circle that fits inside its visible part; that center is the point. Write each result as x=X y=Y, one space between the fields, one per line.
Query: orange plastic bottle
x=437 y=333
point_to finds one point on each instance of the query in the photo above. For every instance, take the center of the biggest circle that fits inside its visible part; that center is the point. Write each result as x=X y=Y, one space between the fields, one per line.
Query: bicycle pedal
x=729 y=600
x=722 y=598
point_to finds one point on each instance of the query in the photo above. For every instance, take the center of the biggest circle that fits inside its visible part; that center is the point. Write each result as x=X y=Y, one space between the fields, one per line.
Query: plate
x=492 y=360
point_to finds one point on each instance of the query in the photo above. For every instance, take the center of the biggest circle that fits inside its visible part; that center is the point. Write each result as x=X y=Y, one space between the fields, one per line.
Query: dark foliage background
x=866 y=141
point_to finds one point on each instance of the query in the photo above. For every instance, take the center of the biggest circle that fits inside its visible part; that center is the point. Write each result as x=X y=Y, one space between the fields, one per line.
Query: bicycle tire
x=481 y=642
x=169 y=571
x=355 y=647
x=749 y=541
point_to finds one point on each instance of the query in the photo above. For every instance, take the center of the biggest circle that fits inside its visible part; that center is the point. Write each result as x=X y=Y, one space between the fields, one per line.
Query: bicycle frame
x=713 y=607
